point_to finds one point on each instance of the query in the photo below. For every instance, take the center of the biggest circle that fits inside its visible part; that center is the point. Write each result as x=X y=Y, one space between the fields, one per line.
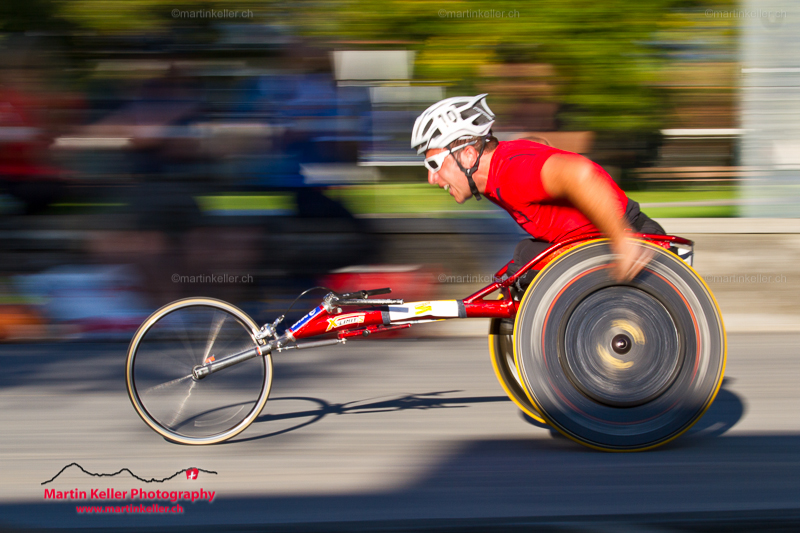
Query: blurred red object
x=409 y=282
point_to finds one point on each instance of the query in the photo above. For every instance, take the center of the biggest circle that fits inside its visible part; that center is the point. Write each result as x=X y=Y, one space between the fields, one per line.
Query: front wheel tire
x=158 y=372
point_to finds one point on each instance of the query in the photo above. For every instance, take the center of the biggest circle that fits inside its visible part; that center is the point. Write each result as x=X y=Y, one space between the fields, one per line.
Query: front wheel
x=158 y=372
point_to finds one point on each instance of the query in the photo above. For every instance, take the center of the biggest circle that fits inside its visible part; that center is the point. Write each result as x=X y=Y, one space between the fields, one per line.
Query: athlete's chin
x=458 y=198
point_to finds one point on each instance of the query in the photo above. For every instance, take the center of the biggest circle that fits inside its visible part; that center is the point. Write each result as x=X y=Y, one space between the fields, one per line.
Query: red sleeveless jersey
x=515 y=184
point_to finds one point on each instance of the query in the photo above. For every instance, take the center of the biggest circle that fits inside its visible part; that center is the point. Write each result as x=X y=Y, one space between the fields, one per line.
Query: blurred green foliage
x=424 y=200
x=609 y=56
x=420 y=199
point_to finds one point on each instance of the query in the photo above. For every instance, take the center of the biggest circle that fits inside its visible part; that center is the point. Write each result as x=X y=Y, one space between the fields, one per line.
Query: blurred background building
x=249 y=150
x=770 y=76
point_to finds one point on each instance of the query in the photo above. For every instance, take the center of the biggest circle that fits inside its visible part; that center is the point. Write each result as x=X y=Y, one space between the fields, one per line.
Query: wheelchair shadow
x=723 y=414
x=727 y=409
x=322 y=408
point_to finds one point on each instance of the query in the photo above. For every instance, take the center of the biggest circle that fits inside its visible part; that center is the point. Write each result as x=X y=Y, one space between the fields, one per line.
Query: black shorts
x=527 y=249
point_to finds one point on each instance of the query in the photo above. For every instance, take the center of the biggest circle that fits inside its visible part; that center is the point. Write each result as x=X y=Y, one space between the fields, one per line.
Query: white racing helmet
x=451 y=119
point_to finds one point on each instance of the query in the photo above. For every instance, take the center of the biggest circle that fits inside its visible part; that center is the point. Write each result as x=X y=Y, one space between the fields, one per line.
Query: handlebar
x=367 y=301
x=362 y=298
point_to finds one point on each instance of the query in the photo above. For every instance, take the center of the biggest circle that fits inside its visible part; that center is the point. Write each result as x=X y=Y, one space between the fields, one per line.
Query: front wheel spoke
x=167 y=384
x=217 y=320
x=183 y=404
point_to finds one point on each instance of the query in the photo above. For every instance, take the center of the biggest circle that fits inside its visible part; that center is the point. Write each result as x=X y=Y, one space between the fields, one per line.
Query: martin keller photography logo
x=136 y=500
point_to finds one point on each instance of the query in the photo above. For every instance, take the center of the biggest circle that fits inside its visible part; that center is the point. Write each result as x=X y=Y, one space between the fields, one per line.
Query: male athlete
x=553 y=194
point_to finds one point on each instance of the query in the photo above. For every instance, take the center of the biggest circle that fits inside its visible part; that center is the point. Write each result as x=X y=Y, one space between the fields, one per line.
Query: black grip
x=373 y=292
x=365 y=294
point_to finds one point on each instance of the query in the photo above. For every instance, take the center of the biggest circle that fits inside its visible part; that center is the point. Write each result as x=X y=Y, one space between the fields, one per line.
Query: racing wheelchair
x=613 y=366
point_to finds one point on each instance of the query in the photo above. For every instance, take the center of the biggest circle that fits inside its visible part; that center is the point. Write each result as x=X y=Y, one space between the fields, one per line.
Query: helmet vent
x=451 y=119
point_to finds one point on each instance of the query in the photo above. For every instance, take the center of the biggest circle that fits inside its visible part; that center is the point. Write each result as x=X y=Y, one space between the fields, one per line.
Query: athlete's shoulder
x=522 y=155
x=524 y=147
x=516 y=168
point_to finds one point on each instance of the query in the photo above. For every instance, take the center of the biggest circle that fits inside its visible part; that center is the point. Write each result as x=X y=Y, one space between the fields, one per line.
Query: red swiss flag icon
x=191 y=473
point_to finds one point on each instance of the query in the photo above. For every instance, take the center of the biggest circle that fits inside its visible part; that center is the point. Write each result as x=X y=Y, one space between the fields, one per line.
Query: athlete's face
x=449 y=177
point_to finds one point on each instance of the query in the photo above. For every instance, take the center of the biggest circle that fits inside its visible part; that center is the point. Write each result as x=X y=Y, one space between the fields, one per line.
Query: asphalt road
x=404 y=434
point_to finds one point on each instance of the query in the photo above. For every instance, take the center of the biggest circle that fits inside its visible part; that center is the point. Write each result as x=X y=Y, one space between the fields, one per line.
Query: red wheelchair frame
x=330 y=319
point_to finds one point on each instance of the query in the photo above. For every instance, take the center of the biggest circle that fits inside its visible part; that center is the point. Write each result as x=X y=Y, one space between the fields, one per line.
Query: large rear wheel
x=619 y=367
x=501 y=351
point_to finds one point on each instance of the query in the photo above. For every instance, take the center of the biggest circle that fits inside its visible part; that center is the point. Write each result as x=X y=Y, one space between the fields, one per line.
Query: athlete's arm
x=575 y=179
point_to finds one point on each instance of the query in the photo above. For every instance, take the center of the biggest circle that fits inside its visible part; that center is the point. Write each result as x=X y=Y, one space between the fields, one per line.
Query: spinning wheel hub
x=621 y=344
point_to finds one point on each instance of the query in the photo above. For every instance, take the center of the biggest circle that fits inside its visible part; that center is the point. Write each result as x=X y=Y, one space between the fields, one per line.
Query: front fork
x=396 y=316
x=201 y=371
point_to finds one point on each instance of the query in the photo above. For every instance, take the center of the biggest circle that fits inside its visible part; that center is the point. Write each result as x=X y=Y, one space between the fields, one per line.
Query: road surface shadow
x=419 y=401
x=723 y=414
x=726 y=411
